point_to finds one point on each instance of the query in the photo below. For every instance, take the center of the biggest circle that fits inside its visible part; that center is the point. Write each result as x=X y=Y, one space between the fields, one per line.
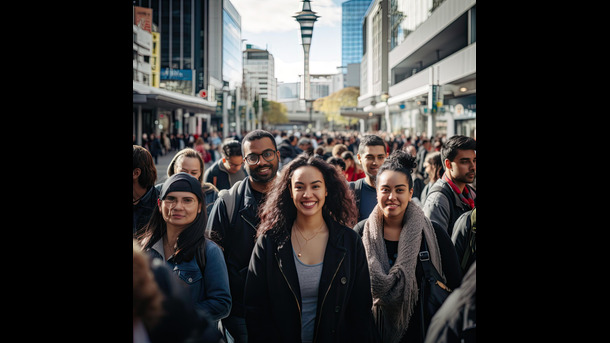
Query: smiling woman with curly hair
x=305 y=246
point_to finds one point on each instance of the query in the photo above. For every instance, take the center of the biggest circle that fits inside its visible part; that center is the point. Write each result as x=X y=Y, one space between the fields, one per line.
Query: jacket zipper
x=247 y=221
x=291 y=290
x=325 y=294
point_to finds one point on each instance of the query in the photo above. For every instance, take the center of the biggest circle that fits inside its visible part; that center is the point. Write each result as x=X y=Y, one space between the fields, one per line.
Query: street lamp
x=306 y=19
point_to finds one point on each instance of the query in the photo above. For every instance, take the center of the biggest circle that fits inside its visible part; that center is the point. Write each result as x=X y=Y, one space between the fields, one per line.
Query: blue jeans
x=237 y=329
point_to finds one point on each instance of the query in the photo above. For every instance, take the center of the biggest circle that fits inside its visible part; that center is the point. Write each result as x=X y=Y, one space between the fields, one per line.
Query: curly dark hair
x=278 y=211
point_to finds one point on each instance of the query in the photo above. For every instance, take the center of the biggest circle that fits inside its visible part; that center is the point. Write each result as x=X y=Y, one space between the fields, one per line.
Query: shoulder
x=212 y=249
x=436 y=195
x=359 y=227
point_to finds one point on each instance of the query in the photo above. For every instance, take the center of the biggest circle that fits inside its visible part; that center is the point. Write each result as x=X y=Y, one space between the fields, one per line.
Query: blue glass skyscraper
x=351 y=30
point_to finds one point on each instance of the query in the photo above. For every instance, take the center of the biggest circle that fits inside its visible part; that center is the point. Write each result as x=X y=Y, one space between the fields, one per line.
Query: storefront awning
x=155 y=97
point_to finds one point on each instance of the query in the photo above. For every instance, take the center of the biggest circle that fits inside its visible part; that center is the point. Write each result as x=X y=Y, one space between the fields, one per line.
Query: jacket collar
x=333 y=257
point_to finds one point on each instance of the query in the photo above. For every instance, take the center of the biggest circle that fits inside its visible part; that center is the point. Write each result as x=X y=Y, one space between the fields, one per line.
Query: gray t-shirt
x=309 y=281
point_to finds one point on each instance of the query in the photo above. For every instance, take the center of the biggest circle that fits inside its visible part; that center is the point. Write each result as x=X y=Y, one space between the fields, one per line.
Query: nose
x=307 y=193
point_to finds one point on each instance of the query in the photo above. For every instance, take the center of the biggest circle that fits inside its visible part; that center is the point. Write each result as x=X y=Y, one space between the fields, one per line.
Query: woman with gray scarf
x=392 y=238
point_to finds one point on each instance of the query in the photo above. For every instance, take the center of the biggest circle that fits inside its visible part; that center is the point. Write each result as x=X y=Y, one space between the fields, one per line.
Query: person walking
x=155 y=147
x=144 y=193
x=451 y=195
x=393 y=236
x=371 y=154
x=227 y=170
x=433 y=167
x=176 y=234
x=353 y=171
x=189 y=161
x=234 y=219
x=308 y=279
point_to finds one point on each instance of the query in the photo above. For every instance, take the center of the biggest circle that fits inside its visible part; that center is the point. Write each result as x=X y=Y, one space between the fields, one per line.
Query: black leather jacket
x=273 y=298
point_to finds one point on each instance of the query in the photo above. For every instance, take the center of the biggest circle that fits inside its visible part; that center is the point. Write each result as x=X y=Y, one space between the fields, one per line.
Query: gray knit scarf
x=395 y=292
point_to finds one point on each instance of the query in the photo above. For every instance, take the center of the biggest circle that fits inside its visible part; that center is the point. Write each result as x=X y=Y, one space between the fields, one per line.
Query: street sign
x=203 y=93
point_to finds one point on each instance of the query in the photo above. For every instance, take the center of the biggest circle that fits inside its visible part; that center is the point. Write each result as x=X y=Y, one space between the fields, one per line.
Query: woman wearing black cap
x=176 y=233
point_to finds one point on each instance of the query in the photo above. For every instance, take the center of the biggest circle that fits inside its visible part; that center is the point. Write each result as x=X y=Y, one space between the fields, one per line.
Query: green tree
x=273 y=112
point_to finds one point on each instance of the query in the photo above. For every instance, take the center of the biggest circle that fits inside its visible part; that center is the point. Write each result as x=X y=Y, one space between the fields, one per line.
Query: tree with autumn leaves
x=331 y=105
x=275 y=112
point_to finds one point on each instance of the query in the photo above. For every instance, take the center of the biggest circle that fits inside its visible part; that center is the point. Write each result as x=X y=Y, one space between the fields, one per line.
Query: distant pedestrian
x=155 y=147
x=353 y=171
x=287 y=150
x=144 y=193
x=308 y=279
x=433 y=167
x=339 y=164
x=393 y=237
x=176 y=234
x=371 y=154
x=235 y=231
x=229 y=169
x=189 y=161
x=201 y=149
x=451 y=195
x=422 y=152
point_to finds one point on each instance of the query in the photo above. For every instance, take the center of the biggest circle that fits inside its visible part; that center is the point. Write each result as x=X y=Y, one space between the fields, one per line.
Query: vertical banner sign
x=142 y=17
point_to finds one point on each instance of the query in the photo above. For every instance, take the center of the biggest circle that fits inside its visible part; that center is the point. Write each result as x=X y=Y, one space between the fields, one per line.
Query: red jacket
x=352 y=175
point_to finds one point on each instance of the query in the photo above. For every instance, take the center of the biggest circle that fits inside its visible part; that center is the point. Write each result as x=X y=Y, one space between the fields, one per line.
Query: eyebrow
x=401 y=185
x=304 y=182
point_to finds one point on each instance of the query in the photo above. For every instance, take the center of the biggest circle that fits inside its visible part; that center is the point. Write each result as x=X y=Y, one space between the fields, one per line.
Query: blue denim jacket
x=210 y=294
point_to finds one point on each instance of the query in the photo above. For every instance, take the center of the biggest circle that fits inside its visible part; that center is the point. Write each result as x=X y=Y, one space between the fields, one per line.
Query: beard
x=256 y=177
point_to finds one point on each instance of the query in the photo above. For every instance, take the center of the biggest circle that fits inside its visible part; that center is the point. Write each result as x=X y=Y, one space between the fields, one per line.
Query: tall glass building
x=231 y=45
x=351 y=30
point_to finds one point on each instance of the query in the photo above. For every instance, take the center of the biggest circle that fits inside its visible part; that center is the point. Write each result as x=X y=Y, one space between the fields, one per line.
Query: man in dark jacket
x=452 y=195
x=144 y=193
x=235 y=232
x=456 y=320
x=287 y=149
x=227 y=170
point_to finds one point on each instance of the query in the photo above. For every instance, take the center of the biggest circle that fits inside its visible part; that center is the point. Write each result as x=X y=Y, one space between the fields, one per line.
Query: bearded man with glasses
x=235 y=232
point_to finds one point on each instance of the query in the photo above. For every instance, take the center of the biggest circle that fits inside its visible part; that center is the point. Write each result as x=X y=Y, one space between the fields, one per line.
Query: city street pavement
x=163 y=163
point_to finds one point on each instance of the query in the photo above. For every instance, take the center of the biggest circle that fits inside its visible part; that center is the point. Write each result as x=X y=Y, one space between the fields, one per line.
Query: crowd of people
x=305 y=238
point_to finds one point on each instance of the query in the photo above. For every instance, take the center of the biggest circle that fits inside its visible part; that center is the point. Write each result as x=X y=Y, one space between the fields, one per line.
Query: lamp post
x=306 y=19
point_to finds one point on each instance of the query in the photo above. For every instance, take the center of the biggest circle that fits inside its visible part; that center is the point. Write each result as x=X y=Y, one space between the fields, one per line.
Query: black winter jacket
x=273 y=297
x=236 y=239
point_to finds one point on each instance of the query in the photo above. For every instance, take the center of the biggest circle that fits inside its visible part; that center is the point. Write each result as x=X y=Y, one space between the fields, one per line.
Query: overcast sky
x=269 y=24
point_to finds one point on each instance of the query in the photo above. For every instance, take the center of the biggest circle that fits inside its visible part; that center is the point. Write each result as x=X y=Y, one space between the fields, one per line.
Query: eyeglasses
x=268 y=155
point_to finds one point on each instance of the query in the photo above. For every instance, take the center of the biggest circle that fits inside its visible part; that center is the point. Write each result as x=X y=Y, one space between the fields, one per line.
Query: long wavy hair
x=278 y=211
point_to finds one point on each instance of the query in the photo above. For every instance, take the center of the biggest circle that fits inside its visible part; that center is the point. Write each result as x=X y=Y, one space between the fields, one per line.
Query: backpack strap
x=471 y=239
x=448 y=193
x=356 y=186
x=230 y=198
